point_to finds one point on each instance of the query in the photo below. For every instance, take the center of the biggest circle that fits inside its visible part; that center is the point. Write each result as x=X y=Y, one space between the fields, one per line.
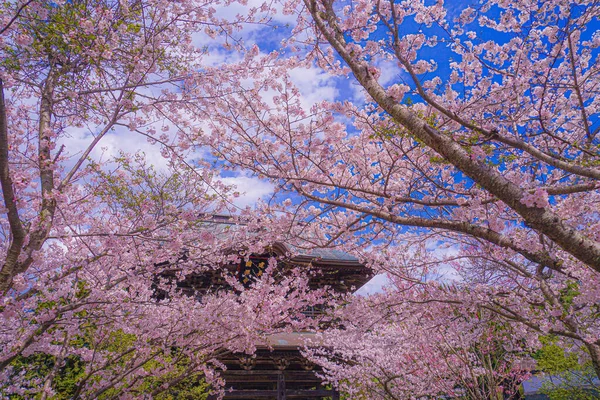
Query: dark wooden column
x=280 y=386
x=335 y=395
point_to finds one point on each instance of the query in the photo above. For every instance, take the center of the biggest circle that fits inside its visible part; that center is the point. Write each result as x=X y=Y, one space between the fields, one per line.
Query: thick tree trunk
x=16 y=227
x=39 y=233
x=14 y=262
x=594 y=350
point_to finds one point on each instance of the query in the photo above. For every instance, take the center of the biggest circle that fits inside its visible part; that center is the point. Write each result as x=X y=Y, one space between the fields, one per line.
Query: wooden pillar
x=280 y=386
x=335 y=395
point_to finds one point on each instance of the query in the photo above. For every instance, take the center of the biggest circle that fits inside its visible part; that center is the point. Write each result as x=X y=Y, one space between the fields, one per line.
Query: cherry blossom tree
x=95 y=240
x=414 y=350
x=473 y=153
x=83 y=70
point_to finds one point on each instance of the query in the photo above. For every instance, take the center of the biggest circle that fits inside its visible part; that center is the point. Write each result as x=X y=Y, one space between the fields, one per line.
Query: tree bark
x=594 y=350
x=16 y=227
x=37 y=236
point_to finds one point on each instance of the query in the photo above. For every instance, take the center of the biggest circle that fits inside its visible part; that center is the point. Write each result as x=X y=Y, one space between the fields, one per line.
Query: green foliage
x=170 y=379
x=175 y=384
x=37 y=367
x=171 y=373
x=397 y=131
x=71 y=373
x=568 y=294
x=568 y=377
x=192 y=387
x=553 y=359
x=577 y=384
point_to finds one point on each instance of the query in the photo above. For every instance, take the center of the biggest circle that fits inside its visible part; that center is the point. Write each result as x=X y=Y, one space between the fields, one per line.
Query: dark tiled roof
x=323 y=254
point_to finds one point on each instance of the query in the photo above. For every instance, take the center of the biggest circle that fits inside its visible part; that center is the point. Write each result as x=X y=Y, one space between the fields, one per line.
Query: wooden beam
x=257 y=394
x=250 y=394
x=280 y=387
x=307 y=393
x=269 y=376
x=251 y=372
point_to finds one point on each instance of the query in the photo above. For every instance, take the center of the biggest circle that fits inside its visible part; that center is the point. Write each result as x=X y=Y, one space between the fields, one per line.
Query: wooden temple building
x=279 y=371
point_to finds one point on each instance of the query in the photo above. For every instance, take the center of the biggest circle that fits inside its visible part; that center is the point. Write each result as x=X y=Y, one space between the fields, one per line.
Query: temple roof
x=341 y=270
x=323 y=254
x=293 y=340
x=222 y=224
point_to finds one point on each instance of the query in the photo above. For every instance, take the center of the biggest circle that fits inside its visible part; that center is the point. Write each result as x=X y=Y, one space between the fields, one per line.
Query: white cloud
x=315 y=85
x=250 y=188
x=375 y=285
x=390 y=73
x=111 y=145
